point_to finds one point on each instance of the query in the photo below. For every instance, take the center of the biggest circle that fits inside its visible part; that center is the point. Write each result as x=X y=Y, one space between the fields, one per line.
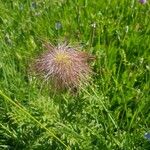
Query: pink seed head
x=64 y=65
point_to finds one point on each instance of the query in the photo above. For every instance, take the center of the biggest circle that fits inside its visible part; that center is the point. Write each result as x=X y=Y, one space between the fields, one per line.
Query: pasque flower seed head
x=64 y=65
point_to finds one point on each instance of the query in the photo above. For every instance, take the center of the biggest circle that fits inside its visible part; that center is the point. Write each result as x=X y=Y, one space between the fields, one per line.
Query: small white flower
x=93 y=25
x=58 y=25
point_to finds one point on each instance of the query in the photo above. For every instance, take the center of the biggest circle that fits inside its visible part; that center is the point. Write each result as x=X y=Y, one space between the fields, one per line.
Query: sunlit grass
x=110 y=113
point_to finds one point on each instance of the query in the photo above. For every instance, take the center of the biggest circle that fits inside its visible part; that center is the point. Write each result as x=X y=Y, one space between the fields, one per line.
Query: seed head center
x=62 y=58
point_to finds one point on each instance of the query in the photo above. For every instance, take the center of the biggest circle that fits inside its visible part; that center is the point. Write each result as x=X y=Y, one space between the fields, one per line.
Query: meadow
x=113 y=112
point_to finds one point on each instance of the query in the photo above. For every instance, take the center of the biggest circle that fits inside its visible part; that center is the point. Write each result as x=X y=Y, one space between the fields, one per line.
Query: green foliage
x=112 y=113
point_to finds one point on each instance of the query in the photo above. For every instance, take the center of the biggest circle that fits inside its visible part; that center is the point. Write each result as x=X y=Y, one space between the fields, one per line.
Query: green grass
x=113 y=113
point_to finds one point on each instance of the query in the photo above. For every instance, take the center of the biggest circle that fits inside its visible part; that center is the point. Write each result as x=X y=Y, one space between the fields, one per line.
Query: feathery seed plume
x=64 y=65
